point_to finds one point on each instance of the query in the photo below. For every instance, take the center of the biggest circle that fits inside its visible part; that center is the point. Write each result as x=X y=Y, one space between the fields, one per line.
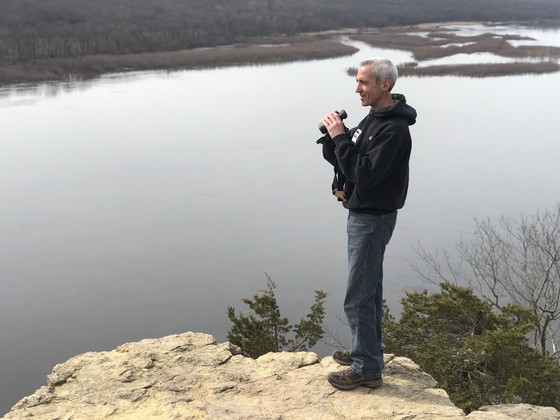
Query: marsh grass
x=439 y=44
x=272 y=51
x=436 y=43
x=481 y=70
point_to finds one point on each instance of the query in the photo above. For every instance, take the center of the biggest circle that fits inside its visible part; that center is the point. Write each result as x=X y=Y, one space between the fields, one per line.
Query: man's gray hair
x=382 y=69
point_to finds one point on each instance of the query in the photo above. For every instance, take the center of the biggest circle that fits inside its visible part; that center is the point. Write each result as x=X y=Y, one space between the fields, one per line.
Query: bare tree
x=510 y=261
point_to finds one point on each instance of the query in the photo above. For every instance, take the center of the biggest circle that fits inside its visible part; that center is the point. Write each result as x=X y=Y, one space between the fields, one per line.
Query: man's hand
x=334 y=125
x=339 y=194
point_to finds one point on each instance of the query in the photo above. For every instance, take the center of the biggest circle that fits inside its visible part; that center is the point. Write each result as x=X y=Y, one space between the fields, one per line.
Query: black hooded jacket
x=371 y=160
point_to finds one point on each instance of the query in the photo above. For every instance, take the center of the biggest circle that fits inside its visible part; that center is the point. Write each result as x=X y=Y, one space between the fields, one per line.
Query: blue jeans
x=368 y=235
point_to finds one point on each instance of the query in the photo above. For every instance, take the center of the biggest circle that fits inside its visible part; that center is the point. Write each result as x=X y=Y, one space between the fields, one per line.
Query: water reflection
x=27 y=93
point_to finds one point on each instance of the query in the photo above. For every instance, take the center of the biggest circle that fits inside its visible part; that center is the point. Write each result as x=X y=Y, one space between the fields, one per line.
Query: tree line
x=34 y=29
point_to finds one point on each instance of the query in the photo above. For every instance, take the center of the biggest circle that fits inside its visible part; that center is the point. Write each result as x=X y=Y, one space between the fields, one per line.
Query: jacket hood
x=399 y=109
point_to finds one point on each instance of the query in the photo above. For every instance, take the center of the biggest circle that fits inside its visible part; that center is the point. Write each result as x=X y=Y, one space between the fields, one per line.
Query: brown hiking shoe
x=342 y=357
x=348 y=379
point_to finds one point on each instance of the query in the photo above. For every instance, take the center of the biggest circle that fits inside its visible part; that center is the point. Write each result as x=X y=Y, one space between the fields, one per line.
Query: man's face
x=370 y=92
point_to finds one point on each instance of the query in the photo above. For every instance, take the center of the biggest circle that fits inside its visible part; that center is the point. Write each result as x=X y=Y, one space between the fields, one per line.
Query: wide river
x=145 y=204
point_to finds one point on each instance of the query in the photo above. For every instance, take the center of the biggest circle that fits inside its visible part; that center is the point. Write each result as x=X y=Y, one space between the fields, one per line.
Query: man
x=371 y=181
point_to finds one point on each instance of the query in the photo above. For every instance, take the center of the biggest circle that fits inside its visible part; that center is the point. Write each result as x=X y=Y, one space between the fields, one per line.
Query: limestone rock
x=514 y=411
x=190 y=376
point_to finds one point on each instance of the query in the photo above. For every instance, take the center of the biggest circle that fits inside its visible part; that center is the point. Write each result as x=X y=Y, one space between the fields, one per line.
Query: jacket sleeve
x=329 y=146
x=329 y=155
x=328 y=151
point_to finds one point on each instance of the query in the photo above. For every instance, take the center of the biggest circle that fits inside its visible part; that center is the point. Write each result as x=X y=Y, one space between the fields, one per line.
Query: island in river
x=424 y=41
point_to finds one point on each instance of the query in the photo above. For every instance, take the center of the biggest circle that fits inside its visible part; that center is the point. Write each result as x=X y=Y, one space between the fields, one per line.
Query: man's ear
x=386 y=85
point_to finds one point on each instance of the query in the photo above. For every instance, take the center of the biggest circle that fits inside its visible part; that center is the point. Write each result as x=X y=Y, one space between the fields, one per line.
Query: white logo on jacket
x=356 y=135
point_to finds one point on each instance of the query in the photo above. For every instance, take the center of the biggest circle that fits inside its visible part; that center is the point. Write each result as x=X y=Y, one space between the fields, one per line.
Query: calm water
x=142 y=205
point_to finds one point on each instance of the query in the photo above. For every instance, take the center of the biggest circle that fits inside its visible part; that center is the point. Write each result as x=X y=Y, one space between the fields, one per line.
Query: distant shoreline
x=266 y=51
x=309 y=46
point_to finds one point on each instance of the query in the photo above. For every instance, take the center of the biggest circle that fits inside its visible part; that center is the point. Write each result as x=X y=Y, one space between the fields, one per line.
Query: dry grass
x=293 y=49
x=437 y=44
x=481 y=70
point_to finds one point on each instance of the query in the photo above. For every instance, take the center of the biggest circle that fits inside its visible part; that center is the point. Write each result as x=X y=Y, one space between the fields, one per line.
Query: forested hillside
x=31 y=29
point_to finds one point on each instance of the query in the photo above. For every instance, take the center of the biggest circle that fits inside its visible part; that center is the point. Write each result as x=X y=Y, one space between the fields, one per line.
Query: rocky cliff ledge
x=190 y=376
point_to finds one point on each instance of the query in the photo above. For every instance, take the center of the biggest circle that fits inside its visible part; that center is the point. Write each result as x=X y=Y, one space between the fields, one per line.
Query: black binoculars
x=342 y=114
x=323 y=129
